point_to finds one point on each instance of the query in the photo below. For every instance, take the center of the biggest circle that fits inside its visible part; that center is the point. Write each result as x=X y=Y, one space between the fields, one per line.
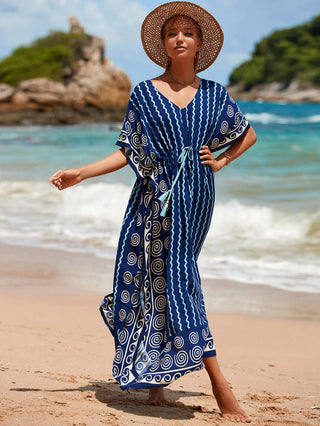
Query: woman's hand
x=207 y=158
x=64 y=178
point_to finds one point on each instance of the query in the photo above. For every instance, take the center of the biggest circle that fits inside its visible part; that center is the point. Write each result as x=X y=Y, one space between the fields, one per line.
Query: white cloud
x=116 y=21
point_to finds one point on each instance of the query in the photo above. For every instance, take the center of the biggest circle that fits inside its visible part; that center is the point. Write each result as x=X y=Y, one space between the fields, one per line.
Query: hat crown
x=152 y=27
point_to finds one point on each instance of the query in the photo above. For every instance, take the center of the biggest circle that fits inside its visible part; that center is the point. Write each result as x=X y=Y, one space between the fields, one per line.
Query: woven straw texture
x=211 y=31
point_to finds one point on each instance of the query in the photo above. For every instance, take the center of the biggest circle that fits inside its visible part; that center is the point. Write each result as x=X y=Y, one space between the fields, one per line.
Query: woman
x=173 y=124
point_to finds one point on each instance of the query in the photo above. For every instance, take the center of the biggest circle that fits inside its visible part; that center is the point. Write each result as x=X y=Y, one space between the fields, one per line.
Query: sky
x=244 y=23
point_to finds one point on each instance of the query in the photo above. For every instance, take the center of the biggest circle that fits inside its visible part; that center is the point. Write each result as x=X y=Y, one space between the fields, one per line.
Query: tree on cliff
x=284 y=56
x=55 y=56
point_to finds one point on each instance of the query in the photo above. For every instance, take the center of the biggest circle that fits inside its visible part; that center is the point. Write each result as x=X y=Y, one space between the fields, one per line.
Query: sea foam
x=246 y=242
x=269 y=118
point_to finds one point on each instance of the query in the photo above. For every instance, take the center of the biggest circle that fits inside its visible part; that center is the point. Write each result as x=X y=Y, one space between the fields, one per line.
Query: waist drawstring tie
x=165 y=198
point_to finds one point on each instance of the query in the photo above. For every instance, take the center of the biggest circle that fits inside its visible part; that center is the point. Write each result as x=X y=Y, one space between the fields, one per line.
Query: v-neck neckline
x=171 y=102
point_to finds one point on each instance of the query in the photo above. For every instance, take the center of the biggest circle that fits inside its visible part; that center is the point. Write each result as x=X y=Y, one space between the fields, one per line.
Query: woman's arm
x=65 y=178
x=233 y=152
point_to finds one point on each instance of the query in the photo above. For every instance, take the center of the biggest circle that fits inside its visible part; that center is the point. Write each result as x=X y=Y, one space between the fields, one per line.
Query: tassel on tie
x=165 y=198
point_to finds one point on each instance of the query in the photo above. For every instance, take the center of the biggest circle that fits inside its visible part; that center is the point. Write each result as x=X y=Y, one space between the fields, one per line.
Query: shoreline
x=33 y=270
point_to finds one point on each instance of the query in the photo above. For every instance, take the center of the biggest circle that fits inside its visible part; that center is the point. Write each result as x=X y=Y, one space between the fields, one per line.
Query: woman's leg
x=226 y=400
x=156 y=396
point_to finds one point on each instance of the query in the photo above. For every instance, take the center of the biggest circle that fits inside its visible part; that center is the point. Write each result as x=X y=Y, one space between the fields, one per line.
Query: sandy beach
x=56 y=352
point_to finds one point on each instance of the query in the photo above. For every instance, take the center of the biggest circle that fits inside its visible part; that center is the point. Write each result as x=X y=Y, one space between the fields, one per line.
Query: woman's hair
x=199 y=31
x=184 y=16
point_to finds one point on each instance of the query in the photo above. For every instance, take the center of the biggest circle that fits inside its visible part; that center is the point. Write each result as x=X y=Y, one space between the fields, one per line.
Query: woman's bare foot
x=229 y=406
x=156 y=396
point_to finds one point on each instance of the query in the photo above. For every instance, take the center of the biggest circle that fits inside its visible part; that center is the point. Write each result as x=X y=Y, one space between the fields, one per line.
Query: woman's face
x=181 y=38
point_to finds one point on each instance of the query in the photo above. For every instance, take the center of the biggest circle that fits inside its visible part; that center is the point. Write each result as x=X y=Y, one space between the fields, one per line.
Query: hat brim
x=212 y=34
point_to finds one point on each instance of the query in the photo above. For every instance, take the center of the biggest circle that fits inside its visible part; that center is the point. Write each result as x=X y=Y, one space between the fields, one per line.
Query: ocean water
x=266 y=223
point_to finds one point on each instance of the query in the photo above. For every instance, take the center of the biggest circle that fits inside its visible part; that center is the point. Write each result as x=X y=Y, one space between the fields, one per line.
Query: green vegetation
x=54 y=57
x=286 y=55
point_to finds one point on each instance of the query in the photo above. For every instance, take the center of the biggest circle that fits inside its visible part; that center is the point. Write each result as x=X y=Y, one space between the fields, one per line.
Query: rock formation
x=98 y=91
x=278 y=92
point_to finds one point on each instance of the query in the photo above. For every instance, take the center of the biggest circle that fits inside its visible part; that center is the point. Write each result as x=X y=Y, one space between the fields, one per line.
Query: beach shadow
x=136 y=400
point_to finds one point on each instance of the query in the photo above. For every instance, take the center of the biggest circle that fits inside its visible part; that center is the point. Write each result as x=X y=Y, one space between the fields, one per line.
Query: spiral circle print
x=155 y=175
x=153 y=355
x=166 y=223
x=166 y=243
x=139 y=219
x=204 y=333
x=125 y=296
x=127 y=277
x=167 y=378
x=159 y=284
x=122 y=314
x=130 y=318
x=148 y=162
x=140 y=261
x=196 y=353
x=168 y=347
x=156 y=228
x=118 y=355
x=156 y=247
x=214 y=144
x=224 y=127
x=135 y=141
x=141 y=154
x=156 y=339
x=123 y=336
x=155 y=208
x=158 y=322
x=166 y=362
x=194 y=337
x=135 y=239
x=131 y=116
x=178 y=342
x=181 y=358
x=160 y=303
x=155 y=365
x=157 y=266
x=137 y=280
x=237 y=118
x=163 y=186
x=131 y=258
x=148 y=197
x=144 y=140
x=210 y=344
x=135 y=299
x=230 y=111
x=115 y=370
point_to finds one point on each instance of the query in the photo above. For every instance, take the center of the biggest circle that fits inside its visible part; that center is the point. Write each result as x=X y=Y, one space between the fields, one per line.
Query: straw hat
x=212 y=35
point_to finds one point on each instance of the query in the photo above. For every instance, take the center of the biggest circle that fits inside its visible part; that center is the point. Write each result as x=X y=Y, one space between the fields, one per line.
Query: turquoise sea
x=266 y=224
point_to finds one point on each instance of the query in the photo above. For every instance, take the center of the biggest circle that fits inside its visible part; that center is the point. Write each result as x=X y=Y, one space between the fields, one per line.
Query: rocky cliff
x=277 y=92
x=97 y=92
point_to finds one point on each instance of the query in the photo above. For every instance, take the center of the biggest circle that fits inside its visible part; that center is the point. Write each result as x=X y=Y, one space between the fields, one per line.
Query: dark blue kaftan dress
x=156 y=312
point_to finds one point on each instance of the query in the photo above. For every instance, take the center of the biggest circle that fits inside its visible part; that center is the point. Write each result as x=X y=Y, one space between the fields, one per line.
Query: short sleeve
x=134 y=140
x=231 y=123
